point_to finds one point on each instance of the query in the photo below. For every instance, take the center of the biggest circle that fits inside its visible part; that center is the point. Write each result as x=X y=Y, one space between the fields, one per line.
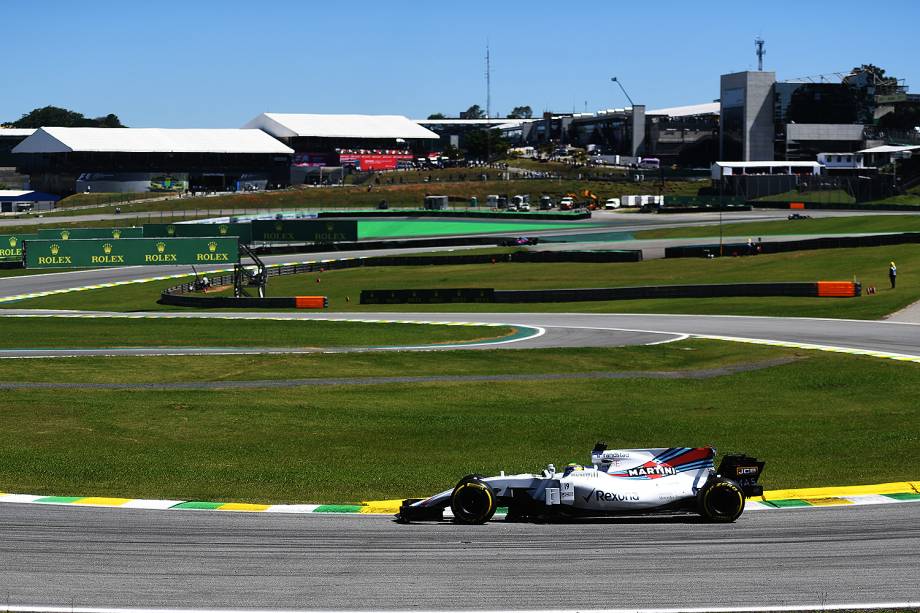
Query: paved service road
x=69 y=556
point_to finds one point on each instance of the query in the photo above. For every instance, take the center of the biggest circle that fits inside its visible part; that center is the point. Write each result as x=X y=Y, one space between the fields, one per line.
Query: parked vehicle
x=612 y=203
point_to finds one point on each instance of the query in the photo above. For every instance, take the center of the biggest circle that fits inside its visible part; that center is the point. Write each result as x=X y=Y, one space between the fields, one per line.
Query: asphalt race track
x=73 y=557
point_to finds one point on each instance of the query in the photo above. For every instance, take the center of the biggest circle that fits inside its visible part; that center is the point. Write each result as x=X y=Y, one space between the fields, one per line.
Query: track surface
x=583 y=330
x=105 y=557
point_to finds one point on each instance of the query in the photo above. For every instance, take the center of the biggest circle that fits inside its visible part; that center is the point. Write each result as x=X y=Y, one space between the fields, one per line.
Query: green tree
x=485 y=144
x=474 y=112
x=521 y=112
x=437 y=116
x=65 y=118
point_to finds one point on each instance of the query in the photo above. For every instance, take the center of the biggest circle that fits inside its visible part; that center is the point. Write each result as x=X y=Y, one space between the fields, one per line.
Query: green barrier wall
x=189 y=230
x=304 y=230
x=96 y=253
x=11 y=246
x=74 y=233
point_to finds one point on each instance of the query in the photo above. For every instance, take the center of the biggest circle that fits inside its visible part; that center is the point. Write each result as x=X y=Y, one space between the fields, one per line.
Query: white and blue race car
x=619 y=482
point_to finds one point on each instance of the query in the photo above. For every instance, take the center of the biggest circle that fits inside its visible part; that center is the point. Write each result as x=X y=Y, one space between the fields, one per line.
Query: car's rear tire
x=472 y=501
x=721 y=500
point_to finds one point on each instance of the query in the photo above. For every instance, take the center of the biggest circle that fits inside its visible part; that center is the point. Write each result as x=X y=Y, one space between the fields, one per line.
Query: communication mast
x=758 y=46
x=488 y=104
x=488 y=84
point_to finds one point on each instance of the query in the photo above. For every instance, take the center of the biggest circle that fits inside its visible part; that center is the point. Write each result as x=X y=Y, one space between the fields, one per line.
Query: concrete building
x=746 y=116
x=15 y=200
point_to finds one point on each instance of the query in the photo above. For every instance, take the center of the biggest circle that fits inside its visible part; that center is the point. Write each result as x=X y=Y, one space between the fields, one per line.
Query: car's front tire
x=472 y=501
x=721 y=500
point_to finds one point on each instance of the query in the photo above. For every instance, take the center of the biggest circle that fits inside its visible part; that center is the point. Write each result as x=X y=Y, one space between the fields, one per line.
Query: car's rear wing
x=743 y=470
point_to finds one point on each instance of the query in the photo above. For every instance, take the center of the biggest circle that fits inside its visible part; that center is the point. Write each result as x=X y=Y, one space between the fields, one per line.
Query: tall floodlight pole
x=488 y=104
x=617 y=81
x=758 y=47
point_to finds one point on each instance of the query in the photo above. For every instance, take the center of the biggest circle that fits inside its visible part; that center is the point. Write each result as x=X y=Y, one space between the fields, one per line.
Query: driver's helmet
x=570 y=468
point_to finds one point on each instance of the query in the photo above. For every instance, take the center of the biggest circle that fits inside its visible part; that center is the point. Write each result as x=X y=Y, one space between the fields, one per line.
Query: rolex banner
x=95 y=253
x=69 y=233
x=304 y=230
x=179 y=230
x=11 y=246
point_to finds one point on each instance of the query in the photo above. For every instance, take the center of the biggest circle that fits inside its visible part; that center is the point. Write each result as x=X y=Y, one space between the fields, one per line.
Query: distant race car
x=619 y=482
x=518 y=240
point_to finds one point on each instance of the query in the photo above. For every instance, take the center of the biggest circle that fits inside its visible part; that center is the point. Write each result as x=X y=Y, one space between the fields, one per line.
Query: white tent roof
x=17 y=131
x=287 y=125
x=707 y=108
x=150 y=140
x=889 y=149
x=13 y=193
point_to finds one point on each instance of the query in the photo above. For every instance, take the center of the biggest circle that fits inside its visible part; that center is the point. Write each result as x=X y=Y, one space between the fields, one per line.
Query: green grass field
x=70 y=333
x=869 y=265
x=826 y=225
x=810 y=420
x=686 y=355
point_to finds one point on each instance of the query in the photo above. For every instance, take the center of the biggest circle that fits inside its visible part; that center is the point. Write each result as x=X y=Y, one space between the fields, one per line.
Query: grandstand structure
x=68 y=160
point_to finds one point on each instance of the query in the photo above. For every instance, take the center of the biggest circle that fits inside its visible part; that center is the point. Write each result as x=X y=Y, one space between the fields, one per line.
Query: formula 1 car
x=619 y=482
x=518 y=241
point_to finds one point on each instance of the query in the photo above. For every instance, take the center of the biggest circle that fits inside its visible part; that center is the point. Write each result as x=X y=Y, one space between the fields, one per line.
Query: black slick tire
x=721 y=501
x=472 y=501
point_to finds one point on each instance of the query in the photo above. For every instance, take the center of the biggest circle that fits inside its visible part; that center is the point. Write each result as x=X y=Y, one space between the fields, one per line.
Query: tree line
x=55 y=116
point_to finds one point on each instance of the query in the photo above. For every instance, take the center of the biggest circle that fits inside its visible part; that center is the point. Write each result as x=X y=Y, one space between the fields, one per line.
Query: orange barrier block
x=311 y=302
x=836 y=289
x=796 y=205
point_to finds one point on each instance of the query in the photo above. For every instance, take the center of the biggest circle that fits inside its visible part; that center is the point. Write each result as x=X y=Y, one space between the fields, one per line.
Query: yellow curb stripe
x=384 y=507
x=102 y=501
x=848 y=490
x=242 y=506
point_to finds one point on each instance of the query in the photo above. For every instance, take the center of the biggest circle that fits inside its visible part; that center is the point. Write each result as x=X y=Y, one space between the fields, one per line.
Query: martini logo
x=108 y=257
x=160 y=256
x=54 y=258
x=212 y=255
x=116 y=233
x=171 y=230
x=652 y=471
x=649 y=470
x=65 y=234
x=223 y=228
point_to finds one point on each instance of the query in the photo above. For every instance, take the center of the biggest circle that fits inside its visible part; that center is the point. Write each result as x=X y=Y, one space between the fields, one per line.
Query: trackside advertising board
x=69 y=233
x=188 y=230
x=96 y=253
x=304 y=230
x=11 y=246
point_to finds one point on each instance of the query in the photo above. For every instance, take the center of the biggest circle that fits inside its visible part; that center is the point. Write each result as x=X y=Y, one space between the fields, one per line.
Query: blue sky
x=204 y=63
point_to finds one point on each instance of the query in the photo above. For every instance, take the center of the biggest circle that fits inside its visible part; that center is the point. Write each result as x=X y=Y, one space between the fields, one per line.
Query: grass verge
x=686 y=355
x=868 y=265
x=809 y=420
x=72 y=333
